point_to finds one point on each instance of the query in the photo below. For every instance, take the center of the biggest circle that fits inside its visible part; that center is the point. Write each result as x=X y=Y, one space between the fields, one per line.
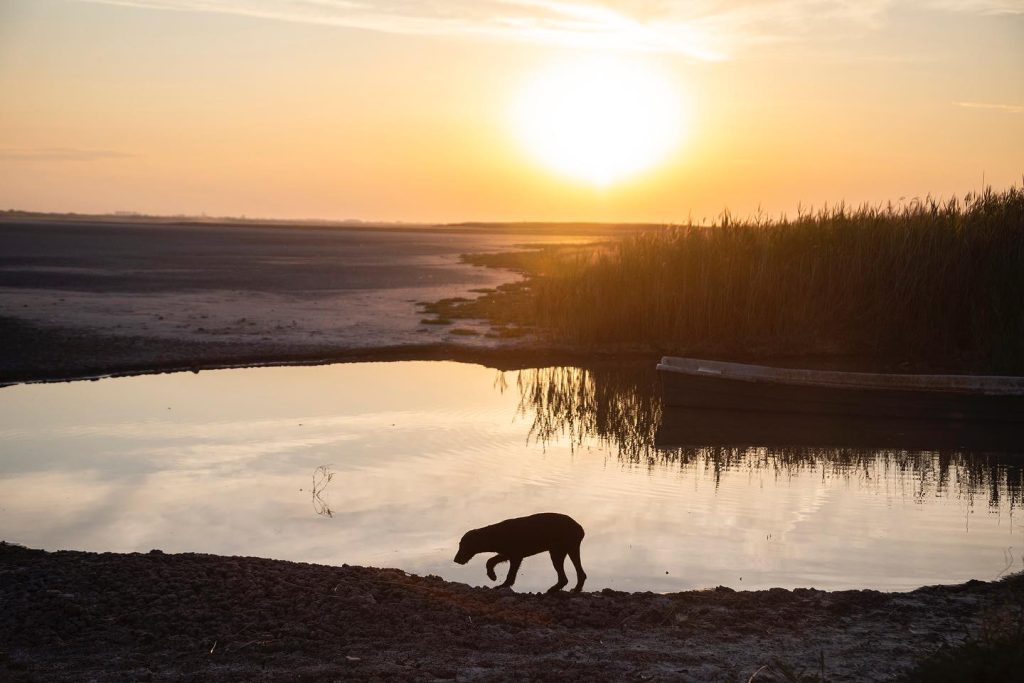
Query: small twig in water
x=322 y=476
x=1008 y=556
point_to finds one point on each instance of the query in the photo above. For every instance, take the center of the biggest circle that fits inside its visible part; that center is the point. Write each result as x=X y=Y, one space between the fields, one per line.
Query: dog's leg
x=581 y=576
x=558 y=559
x=513 y=569
x=492 y=563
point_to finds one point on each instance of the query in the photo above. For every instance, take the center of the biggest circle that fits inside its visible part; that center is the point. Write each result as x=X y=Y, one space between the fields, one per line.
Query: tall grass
x=923 y=280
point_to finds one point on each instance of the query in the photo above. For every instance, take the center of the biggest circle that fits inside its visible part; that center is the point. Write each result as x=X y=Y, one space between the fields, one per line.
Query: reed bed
x=925 y=280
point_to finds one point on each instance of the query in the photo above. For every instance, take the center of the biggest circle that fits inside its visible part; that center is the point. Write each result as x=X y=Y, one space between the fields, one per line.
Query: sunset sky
x=415 y=110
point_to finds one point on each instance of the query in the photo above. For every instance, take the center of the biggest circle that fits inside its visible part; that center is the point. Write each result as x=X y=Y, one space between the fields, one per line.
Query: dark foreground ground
x=87 y=616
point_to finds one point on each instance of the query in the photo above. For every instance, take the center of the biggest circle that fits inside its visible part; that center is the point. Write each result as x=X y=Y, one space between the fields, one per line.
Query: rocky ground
x=87 y=616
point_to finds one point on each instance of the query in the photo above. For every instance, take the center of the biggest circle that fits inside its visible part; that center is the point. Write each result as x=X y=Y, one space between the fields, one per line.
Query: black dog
x=521 y=537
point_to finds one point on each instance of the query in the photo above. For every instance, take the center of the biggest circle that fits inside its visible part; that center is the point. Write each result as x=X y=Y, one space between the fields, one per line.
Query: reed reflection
x=618 y=407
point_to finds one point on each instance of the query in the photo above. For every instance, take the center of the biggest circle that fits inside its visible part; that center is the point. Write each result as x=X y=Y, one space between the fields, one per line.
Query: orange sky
x=398 y=110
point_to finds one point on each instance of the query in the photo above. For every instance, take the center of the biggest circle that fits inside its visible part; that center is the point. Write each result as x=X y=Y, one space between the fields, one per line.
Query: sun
x=599 y=119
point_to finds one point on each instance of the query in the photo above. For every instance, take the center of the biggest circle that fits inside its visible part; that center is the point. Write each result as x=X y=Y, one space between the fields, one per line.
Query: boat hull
x=681 y=427
x=725 y=393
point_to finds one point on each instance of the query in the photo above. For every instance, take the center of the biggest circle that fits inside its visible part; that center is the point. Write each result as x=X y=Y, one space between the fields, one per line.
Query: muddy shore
x=88 y=298
x=78 y=616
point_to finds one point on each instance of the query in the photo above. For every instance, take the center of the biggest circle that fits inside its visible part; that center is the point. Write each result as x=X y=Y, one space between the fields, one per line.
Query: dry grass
x=935 y=283
x=927 y=279
x=996 y=653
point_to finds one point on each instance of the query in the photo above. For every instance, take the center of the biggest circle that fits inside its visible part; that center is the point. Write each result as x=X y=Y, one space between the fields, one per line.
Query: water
x=387 y=464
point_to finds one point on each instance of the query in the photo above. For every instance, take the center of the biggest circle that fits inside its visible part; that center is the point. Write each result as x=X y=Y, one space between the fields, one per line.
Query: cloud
x=700 y=29
x=60 y=154
x=1008 y=108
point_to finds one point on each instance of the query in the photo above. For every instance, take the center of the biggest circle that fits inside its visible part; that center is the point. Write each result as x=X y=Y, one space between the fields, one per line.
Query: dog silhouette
x=520 y=537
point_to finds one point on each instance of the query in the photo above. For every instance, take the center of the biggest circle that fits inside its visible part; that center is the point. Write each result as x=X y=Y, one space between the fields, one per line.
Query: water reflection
x=614 y=405
x=618 y=406
x=222 y=462
x=322 y=476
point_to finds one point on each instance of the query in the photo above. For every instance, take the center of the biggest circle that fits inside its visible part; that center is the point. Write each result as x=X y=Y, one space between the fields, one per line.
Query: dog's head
x=467 y=547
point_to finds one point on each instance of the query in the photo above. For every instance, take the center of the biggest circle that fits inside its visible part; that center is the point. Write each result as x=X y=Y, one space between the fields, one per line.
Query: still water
x=387 y=464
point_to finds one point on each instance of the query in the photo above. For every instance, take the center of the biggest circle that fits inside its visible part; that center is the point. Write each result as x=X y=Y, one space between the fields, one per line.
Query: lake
x=387 y=464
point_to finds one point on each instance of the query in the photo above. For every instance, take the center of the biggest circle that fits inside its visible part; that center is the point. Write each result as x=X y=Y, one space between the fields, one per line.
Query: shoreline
x=72 y=614
x=508 y=357
x=75 y=354
x=88 y=300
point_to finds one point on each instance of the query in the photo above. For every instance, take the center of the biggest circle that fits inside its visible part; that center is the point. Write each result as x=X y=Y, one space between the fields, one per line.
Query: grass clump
x=995 y=653
x=783 y=672
x=992 y=662
x=924 y=280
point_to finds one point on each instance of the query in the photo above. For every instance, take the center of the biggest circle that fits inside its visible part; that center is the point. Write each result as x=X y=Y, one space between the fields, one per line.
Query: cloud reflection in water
x=221 y=462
